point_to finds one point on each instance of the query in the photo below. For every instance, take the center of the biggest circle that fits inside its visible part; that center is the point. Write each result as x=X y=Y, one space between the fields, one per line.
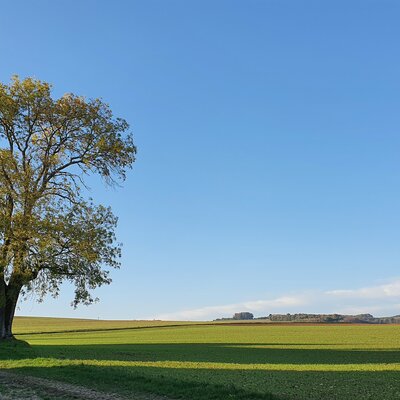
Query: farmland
x=201 y=361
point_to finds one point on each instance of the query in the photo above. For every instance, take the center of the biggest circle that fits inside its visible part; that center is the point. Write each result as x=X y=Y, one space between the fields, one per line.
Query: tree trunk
x=2 y=308
x=12 y=293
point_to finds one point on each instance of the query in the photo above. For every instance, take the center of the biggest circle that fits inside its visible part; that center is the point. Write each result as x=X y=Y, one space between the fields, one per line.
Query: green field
x=212 y=361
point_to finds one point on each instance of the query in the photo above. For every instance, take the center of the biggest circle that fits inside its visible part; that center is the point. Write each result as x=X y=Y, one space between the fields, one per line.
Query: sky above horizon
x=268 y=170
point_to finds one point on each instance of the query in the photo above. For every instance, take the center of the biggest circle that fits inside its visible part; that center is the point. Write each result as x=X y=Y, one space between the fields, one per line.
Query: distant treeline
x=317 y=318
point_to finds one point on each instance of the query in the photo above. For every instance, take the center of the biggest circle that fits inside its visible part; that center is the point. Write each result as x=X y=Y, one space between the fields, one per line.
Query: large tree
x=50 y=231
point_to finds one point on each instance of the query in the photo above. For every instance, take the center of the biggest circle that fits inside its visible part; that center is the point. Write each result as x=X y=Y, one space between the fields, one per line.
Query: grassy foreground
x=212 y=362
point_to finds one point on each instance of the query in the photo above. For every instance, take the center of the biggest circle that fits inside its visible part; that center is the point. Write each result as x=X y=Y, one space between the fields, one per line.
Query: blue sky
x=268 y=148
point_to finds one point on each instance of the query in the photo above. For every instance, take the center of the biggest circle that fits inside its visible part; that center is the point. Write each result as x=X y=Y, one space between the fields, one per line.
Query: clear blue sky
x=268 y=137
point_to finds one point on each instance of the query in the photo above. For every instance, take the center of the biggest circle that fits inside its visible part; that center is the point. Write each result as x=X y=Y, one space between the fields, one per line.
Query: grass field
x=212 y=362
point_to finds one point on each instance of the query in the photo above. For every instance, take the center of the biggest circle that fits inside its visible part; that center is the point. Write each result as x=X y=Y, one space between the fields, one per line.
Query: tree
x=243 y=315
x=49 y=231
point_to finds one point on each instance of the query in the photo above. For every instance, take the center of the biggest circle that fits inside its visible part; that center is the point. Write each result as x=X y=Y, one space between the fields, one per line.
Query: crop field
x=200 y=361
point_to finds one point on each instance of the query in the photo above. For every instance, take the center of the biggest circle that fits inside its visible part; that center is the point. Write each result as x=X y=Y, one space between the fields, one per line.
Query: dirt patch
x=20 y=387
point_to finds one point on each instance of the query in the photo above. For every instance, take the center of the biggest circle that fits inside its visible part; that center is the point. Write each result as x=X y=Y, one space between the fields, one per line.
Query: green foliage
x=214 y=361
x=48 y=231
x=243 y=316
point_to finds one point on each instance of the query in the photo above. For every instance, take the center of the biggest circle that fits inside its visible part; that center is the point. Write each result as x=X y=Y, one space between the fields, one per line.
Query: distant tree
x=243 y=315
x=48 y=231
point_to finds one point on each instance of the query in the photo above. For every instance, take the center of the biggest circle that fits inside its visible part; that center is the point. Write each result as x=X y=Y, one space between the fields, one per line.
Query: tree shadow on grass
x=205 y=383
x=208 y=384
x=128 y=381
x=195 y=352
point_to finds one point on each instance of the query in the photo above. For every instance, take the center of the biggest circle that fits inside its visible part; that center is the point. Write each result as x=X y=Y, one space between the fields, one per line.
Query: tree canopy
x=50 y=231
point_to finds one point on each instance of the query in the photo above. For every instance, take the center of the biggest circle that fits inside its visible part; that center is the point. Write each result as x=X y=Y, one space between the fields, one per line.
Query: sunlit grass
x=24 y=325
x=53 y=362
